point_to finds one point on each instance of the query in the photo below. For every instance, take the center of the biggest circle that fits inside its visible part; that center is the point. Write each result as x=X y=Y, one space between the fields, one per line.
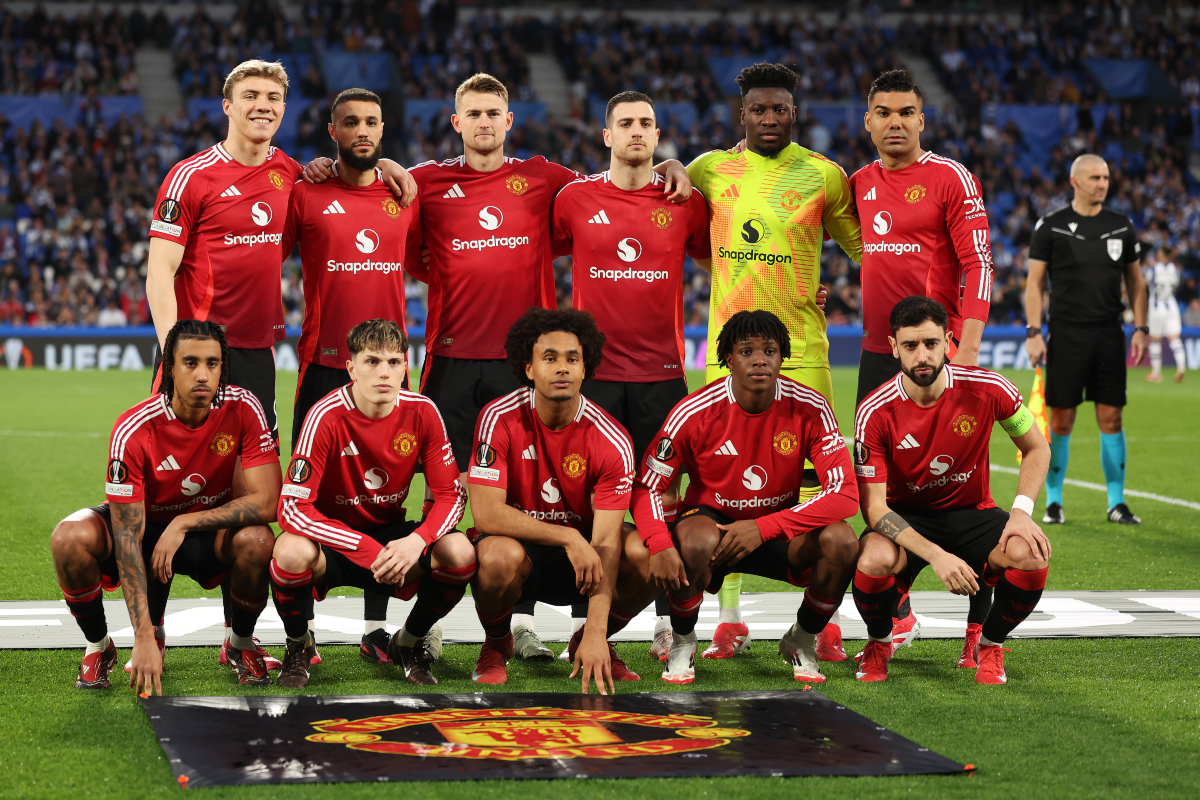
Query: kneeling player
x=171 y=459
x=551 y=476
x=921 y=459
x=742 y=441
x=342 y=506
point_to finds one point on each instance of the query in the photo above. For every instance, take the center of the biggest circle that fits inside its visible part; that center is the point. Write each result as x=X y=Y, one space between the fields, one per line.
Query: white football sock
x=662 y=624
x=523 y=621
x=1155 y=357
x=96 y=647
x=885 y=639
x=372 y=625
x=1180 y=356
x=733 y=615
x=986 y=642
x=406 y=639
x=241 y=642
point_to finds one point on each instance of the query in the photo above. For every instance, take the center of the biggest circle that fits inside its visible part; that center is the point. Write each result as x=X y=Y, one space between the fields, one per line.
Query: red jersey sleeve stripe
x=326 y=533
x=983 y=249
x=618 y=437
x=238 y=393
x=214 y=155
x=309 y=432
x=964 y=175
x=834 y=479
x=985 y=376
x=798 y=391
x=498 y=408
x=149 y=409
x=873 y=402
x=702 y=399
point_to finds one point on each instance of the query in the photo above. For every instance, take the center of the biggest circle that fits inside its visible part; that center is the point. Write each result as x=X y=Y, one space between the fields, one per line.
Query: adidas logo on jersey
x=727 y=449
x=599 y=219
x=334 y=208
x=455 y=191
x=232 y=191
x=169 y=463
x=529 y=454
x=908 y=442
x=731 y=192
x=350 y=450
x=870 y=195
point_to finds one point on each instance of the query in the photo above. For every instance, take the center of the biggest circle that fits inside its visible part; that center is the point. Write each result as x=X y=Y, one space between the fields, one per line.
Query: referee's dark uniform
x=1085 y=266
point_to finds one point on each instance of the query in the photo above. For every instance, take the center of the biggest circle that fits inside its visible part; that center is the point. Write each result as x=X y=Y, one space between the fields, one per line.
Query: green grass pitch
x=1079 y=718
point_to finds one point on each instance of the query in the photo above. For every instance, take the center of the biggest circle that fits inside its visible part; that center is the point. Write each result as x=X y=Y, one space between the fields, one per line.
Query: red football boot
x=970 y=653
x=991 y=665
x=94 y=669
x=729 y=639
x=492 y=666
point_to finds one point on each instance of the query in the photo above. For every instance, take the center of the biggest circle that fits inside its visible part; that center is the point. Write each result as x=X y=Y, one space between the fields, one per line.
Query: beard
x=361 y=163
x=926 y=380
x=770 y=150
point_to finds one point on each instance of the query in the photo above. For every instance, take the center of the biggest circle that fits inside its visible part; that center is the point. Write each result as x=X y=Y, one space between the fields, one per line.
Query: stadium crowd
x=75 y=202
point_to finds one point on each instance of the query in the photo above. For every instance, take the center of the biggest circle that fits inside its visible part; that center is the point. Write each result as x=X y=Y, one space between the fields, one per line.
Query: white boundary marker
x=1175 y=501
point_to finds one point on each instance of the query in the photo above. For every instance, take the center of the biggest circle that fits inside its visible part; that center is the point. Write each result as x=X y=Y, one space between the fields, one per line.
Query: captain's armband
x=1018 y=423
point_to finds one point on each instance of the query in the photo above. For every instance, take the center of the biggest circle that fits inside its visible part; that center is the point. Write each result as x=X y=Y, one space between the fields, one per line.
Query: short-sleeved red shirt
x=933 y=457
x=155 y=459
x=229 y=217
x=627 y=251
x=553 y=475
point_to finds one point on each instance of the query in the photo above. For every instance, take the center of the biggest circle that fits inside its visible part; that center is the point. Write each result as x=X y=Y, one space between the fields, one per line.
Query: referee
x=1086 y=251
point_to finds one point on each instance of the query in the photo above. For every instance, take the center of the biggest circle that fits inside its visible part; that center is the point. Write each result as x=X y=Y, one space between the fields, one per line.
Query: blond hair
x=378 y=335
x=481 y=83
x=255 y=68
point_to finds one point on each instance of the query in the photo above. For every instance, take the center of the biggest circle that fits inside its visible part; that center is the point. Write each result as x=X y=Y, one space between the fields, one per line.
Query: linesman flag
x=1037 y=406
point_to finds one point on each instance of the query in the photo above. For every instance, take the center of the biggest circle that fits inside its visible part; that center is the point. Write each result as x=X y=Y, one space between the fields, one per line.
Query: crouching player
x=342 y=506
x=551 y=476
x=743 y=440
x=921 y=459
x=169 y=510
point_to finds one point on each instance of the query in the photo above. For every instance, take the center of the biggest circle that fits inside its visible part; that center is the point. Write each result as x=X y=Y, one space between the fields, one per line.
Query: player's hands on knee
x=1035 y=347
x=146 y=666
x=955 y=574
x=319 y=170
x=589 y=571
x=591 y=657
x=741 y=538
x=164 y=551
x=1022 y=527
x=397 y=558
x=666 y=569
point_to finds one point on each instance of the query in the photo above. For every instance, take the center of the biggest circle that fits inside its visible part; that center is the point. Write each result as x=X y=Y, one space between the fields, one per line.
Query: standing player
x=170 y=509
x=627 y=248
x=770 y=208
x=743 y=442
x=342 y=508
x=1086 y=251
x=1165 y=320
x=926 y=233
x=352 y=235
x=938 y=511
x=551 y=477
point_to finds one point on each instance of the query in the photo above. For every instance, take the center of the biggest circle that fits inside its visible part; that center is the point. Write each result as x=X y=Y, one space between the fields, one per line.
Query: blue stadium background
x=1013 y=95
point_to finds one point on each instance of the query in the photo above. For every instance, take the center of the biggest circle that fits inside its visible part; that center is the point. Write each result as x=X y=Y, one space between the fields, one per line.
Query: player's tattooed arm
x=890 y=525
x=257 y=507
x=129 y=521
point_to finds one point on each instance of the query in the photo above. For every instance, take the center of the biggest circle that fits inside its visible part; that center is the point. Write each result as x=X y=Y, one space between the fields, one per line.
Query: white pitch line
x=1175 y=501
x=68 y=434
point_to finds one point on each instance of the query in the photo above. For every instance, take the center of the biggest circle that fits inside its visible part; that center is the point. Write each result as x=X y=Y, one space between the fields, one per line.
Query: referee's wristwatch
x=1032 y=331
x=1143 y=328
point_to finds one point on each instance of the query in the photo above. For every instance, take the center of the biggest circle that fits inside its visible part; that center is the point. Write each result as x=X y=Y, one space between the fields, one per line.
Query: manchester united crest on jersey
x=661 y=218
x=791 y=200
x=223 y=444
x=517 y=184
x=964 y=425
x=785 y=443
x=276 y=179
x=914 y=194
x=574 y=465
x=391 y=207
x=405 y=444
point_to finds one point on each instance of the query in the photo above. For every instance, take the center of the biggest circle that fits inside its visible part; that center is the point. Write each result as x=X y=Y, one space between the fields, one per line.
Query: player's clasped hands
x=955 y=574
x=666 y=570
x=589 y=571
x=397 y=558
x=164 y=552
x=741 y=538
x=591 y=657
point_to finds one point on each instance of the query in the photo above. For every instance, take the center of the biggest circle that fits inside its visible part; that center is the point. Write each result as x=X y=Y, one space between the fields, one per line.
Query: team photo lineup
x=567 y=433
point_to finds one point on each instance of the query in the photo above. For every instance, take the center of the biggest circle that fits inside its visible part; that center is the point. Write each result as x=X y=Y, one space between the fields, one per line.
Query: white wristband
x=1024 y=503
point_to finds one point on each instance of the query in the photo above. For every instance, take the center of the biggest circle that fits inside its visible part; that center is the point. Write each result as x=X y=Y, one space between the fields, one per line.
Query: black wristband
x=1031 y=331
x=1143 y=328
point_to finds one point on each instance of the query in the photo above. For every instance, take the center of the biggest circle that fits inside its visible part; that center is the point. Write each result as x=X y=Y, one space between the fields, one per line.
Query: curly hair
x=536 y=322
x=767 y=76
x=746 y=325
x=193 y=329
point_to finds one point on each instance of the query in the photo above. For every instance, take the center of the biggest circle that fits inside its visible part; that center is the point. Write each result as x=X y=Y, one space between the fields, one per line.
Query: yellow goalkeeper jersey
x=768 y=217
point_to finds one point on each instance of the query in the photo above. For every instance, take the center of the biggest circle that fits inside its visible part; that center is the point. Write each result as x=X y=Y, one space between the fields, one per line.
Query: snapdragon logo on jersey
x=754 y=232
x=754 y=478
x=192 y=486
x=882 y=225
x=550 y=492
x=629 y=250
x=367 y=241
x=374 y=479
x=490 y=218
x=262 y=215
x=940 y=466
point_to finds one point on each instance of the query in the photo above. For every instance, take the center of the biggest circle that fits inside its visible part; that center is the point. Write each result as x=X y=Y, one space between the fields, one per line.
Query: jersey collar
x=899 y=380
x=764 y=164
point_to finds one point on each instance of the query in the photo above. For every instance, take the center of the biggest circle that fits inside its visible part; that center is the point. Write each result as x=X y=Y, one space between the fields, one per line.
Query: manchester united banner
x=224 y=741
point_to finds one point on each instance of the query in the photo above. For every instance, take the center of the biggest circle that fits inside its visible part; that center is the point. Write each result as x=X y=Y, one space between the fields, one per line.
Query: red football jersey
x=352 y=244
x=229 y=218
x=155 y=459
x=747 y=466
x=553 y=476
x=488 y=235
x=924 y=231
x=351 y=473
x=627 y=252
x=935 y=457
